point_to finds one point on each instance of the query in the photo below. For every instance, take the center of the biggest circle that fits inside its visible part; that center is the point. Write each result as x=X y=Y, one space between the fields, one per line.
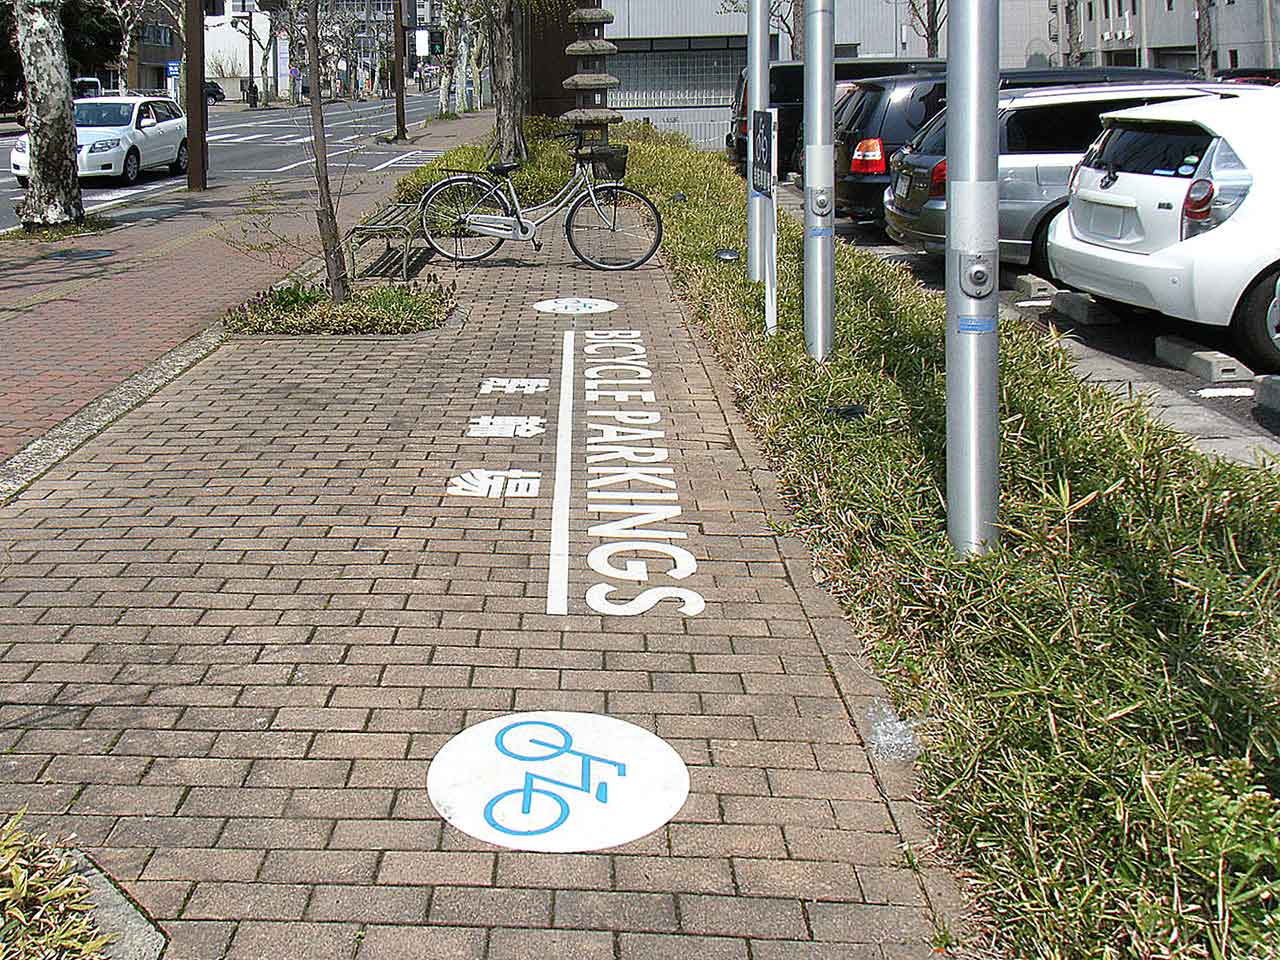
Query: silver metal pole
x=757 y=99
x=973 y=424
x=819 y=178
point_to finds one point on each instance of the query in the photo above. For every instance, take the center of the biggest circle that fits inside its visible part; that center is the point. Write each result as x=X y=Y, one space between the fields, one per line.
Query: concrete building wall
x=1162 y=33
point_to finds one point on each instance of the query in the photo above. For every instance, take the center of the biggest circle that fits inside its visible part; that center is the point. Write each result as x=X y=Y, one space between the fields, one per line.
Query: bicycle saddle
x=502 y=169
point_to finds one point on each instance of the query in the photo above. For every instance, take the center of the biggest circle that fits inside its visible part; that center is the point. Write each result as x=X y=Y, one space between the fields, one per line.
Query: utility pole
x=973 y=343
x=197 y=105
x=397 y=76
x=819 y=178
x=757 y=99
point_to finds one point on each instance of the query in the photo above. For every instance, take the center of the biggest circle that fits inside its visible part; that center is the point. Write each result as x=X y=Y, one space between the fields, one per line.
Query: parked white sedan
x=1174 y=208
x=120 y=137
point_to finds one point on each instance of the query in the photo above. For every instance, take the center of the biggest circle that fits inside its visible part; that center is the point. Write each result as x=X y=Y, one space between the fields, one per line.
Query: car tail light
x=938 y=180
x=1212 y=200
x=868 y=157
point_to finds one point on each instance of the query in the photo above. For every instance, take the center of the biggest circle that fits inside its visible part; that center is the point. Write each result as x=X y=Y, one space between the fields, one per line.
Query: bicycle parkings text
x=631 y=491
x=557 y=782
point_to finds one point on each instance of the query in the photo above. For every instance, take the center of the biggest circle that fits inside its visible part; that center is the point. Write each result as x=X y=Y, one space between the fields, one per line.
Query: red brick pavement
x=236 y=627
x=73 y=329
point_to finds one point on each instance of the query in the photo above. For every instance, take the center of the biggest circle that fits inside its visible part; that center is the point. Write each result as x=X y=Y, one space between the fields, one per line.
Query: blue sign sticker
x=172 y=68
x=822 y=231
x=976 y=324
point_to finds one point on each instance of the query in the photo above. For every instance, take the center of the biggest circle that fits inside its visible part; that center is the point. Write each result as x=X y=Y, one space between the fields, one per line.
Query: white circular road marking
x=557 y=782
x=575 y=306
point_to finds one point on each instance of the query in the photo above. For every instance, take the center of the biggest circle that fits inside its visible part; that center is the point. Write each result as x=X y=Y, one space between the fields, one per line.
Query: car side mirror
x=147 y=122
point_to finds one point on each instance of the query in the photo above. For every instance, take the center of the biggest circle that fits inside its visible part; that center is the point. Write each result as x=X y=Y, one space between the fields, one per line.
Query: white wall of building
x=228 y=47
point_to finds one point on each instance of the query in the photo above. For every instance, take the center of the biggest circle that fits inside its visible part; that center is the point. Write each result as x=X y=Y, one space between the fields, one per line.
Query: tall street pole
x=819 y=178
x=197 y=106
x=757 y=99
x=973 y=416
x=402 y=132
x=250 y=48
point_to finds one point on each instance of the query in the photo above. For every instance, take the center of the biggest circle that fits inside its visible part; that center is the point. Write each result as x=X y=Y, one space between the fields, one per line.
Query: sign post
x=819 y=178
x=757 y=100
x=764 y=182
x=973 y=424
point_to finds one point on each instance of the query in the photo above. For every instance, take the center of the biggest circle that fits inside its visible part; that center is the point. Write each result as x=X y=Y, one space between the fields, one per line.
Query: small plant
x=45 y=910
x=306 y=310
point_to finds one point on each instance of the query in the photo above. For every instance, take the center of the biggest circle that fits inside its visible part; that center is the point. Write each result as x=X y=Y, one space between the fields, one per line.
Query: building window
x=676 y=78
x=1106 y=9
x=1133 y=7
x=1089 y=11
x=1168 y=4
x=1233 y=58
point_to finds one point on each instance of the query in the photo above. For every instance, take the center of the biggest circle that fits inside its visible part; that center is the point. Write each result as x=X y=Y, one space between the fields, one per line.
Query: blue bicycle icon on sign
x=539 y=810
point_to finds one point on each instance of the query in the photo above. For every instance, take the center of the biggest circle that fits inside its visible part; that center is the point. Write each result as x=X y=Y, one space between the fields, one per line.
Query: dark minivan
x=881 y=115
x=786 y=93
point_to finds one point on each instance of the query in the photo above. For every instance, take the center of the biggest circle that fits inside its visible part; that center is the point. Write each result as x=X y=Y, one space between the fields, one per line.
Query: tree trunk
x=126 y=44
x=931 y=27
x=447 y=68
x=460 y=72
x=334 y=263
x=519 y=61
x=505 y=83
x=53 y=195
x=1204 y=38
x=797 y=29
x=264 y=89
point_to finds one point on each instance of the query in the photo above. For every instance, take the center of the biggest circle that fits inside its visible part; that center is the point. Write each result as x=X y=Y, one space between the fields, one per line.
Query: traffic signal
x=436 y=40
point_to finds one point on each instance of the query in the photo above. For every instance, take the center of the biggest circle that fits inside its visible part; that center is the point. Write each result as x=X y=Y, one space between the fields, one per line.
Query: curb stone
x=138 y=937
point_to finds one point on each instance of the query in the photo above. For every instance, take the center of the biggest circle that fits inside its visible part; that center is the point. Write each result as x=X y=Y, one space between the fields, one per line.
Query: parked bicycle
x=468 y=216
x=530 y=810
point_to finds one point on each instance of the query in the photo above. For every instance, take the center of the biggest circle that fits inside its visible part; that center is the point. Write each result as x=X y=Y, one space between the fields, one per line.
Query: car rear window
x=1060 y=128
x=786 y=85
x=861 y=110
x=932 y=140
x=911 y=107
x=1154 y=149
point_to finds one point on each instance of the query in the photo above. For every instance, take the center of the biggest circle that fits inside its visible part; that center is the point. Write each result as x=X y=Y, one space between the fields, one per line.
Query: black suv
x=786 y=93
x=213 y=92
x=879 y=116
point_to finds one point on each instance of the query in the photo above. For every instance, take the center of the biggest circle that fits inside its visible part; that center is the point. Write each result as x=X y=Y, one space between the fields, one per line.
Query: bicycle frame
x=524 y=225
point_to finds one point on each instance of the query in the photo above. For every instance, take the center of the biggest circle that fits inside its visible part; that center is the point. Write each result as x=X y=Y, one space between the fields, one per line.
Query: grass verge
x=1099 y=698
x=66 y=231
x=45 y=910
x=306 y=310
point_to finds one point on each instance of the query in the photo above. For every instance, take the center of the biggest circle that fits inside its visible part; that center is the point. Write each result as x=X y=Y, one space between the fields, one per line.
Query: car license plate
x=1108 y=221
x=903 y=186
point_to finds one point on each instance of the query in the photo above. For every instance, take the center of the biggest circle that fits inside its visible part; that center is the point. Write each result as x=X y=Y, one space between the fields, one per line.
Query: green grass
x=306 y=310
x=1099 y=698
x=45 y=910
x=66 y=231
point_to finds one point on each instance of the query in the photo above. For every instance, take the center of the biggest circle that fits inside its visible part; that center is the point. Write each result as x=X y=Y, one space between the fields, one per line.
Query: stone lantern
x=590 y=86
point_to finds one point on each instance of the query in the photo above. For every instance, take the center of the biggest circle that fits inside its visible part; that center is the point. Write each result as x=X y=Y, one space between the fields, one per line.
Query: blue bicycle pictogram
x=540 y=810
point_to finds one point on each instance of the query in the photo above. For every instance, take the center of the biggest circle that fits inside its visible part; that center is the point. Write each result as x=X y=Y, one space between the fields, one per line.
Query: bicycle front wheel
x=619 y=230
x=446 y=210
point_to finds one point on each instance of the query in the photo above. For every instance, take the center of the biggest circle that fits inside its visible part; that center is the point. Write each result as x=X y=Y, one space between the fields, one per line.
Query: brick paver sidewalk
x=238 y=625
x=75 y=328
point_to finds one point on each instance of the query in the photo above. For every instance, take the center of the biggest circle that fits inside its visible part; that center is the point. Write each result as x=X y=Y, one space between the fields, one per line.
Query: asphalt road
x=267 y=146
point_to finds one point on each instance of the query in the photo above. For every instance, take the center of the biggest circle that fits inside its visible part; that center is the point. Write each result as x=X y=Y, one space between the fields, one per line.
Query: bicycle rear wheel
x=444 y=217
x=621 y=230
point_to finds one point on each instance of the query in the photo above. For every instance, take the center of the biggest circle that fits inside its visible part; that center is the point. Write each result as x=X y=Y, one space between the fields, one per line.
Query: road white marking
x=410 y=160
x=558 y=570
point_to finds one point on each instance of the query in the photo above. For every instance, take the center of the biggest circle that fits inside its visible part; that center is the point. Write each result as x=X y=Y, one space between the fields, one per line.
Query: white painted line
x=213 y=137
x=558 y=569
x=1033 y=303
x=1211 y=392
x=247 y=139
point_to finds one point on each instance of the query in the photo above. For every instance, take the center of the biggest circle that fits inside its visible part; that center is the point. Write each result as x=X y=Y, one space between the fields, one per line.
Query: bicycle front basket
x=609 y=161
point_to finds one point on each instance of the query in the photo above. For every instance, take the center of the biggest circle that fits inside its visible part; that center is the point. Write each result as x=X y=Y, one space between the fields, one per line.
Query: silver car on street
x=1043 y=135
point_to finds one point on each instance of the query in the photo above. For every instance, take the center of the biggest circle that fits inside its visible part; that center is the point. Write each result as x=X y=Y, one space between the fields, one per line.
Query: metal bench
x=402 y=220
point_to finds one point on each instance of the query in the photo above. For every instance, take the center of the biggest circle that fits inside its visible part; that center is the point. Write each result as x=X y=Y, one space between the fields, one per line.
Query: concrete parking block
x=1211 y=366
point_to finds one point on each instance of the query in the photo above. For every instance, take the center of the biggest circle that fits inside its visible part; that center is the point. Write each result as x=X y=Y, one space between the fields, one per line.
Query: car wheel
x=180 y=162
x=22 y=182
x=212 y=100
x=132 y=168
x=1040 y=249
x=1256 y=331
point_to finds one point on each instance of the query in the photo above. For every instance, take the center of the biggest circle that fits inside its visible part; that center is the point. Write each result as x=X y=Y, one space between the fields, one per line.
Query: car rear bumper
x=1163 y=281
x=924 y=230
x=862 y=197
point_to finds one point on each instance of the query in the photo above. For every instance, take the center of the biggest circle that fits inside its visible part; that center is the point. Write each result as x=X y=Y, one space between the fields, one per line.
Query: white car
x=1174 y=208
x=120 y=137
